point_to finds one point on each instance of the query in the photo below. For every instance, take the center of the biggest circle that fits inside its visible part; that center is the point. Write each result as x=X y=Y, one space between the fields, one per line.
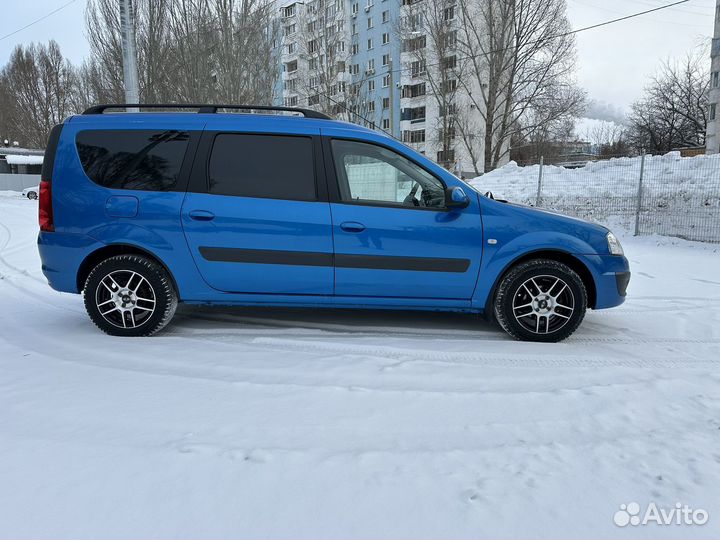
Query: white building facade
x=378 y=63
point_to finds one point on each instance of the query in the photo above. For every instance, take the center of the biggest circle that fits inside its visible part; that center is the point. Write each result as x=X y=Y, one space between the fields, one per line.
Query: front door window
x=374 y=174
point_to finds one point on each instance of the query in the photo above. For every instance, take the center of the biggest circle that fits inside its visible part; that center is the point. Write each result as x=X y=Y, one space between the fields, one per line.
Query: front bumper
x=623 y=280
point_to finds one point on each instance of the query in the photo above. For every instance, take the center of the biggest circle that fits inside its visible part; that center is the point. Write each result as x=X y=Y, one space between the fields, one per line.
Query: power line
x=471 y=56
x=545 y=39
x=37 y=20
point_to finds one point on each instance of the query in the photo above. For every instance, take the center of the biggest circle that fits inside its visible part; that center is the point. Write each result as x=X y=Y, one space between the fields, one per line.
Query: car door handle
x=201 y=215
x=352 y=226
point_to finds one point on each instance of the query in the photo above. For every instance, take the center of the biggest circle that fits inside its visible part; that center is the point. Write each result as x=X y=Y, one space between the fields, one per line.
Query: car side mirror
x=456 y=198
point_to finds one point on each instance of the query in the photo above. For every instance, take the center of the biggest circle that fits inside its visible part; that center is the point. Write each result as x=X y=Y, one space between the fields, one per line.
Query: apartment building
x=339 y=56
x=438 y=118
x=388 y=64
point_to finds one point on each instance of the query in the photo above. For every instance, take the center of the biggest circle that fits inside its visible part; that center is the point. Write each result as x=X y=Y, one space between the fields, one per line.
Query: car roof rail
x=204 y=108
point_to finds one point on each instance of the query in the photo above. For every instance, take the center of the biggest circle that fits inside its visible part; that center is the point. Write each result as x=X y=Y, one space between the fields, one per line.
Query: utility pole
x=129 y=53
x=391 y=93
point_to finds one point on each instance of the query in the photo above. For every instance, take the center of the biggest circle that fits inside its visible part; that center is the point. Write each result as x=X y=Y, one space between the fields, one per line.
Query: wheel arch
x=111 y=250
x=556 y=255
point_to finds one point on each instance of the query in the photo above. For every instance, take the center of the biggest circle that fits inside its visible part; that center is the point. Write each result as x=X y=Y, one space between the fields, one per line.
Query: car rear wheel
x=32 y=195
x=129 y=295
x=540 y=300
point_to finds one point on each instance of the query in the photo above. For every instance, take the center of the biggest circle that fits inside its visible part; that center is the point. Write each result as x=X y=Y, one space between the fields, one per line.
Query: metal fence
x=667 y=195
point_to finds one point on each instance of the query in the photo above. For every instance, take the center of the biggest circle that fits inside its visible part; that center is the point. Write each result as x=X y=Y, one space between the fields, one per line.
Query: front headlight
x=614 y=245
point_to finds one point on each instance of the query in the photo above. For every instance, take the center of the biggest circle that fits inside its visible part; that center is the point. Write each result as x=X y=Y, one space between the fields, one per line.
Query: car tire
x=130 y=295
x=32 y=195
x=540 y=300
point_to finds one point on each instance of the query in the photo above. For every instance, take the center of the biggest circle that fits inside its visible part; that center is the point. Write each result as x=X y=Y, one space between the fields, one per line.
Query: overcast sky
x=615 y=61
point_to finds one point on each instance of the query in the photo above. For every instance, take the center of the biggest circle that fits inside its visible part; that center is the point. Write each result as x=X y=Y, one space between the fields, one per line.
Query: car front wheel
x=129 y=295
x=540 y=300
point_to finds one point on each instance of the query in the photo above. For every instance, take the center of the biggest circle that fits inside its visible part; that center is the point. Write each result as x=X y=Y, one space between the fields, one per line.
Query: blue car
x=286 y=207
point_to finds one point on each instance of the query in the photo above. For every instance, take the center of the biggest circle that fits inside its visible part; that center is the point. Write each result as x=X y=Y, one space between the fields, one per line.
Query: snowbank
x=13 y=159
x=614 y=177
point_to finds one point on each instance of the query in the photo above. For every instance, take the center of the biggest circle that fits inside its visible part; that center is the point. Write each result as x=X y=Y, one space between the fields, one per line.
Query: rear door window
x=133 y=159
x=262 y=166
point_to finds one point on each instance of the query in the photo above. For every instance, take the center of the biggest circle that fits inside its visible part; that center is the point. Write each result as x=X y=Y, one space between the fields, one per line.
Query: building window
x=291 y=101
x=451 y=39
x=386 y=103
x=355 y=69
x=449 y=62
x=446 y=156
x=291 y=48
x=314 y=100
x=386 y=59
x=371 y=65
x=354 y=48
x=291 y=85
x=386 y=123
x=288 y=11
x=449 y=13
x=415 y=136
x=371 y=85
x=371 y=106
x=386 y=80
x=414 y=44
x=355 y=8
x=370 y=44
x=386 y=38
x=713 y=109
x=413 y=90
x=354 y=29
x=716 y=79
x=290 y=30
x=291 y=67
x=449 y=86
x=449 y=110
x=417 y=68
x=386 y=16
x=370 y=22
x=414 y=114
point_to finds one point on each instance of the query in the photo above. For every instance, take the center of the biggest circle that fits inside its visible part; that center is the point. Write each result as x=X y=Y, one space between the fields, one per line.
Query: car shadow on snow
x=339 y=320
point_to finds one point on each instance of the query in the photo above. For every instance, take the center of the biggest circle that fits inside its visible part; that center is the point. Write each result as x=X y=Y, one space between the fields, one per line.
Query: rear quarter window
x=133 y=159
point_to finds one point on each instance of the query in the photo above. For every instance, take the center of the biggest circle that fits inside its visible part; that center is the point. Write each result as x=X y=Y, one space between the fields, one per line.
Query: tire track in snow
x=480 y=359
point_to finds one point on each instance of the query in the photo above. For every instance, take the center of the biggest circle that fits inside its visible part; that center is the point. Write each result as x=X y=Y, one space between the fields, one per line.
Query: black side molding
x=311 y=258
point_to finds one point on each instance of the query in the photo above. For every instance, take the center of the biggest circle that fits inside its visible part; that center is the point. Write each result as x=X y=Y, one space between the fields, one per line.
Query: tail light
x=45 y=208
x=45 y=212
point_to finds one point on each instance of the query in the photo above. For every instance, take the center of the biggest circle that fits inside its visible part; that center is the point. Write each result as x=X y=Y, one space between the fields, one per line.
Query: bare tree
x=520 y=70
x=673 y=112
x=188 y=50
x=39 y=81
x=429 y=36
x=318 y=39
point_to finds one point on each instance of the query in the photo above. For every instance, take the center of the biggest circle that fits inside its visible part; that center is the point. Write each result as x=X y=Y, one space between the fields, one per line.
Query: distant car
x=141 y=211
x=31 y=192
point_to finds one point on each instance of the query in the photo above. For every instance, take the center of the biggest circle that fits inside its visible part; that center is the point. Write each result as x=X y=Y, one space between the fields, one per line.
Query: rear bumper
x=61 y=255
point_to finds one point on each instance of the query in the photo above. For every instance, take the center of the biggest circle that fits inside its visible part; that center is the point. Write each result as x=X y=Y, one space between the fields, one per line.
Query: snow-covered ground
x=250 y=423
